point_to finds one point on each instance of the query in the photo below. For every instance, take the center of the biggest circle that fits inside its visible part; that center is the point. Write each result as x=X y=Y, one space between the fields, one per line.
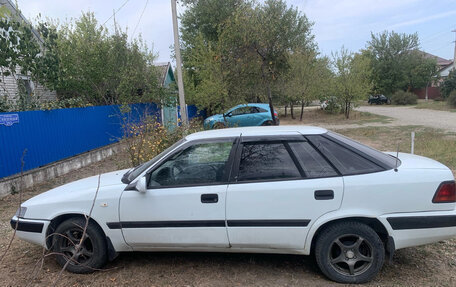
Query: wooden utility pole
x=454 y=56
x=180 y=80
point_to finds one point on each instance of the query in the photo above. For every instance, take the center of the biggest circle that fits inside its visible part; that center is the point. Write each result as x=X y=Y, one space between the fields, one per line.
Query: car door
x=184 y=205
x=279 y=188
x=239 y=117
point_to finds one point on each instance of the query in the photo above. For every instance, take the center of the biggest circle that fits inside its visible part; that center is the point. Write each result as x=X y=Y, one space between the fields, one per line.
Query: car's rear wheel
x=267 y=123
x=349 y=252
x=85 y=255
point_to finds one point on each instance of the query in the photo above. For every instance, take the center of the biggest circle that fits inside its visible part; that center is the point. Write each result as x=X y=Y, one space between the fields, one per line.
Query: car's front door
x=279 y=188
x=239 y=117
x=184 y=205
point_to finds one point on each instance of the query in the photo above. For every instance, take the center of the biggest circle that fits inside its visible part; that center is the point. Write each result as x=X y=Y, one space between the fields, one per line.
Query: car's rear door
x=279 y=186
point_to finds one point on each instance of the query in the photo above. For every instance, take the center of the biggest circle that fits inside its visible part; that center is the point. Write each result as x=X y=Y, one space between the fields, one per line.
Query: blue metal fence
x=53 y=135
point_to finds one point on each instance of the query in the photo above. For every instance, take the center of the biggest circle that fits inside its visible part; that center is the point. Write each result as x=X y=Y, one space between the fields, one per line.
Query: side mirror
x=141 y=185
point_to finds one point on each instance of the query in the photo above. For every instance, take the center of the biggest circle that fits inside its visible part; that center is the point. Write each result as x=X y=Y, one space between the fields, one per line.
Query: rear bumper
x=31 y=230
x=413 y=229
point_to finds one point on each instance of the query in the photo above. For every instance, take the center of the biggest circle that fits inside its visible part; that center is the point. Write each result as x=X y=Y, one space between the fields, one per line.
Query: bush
x=451 y=100
x=404 y=98
x=148 y=138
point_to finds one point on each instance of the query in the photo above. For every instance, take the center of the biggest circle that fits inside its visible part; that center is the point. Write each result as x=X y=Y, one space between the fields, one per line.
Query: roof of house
x=257 y=131
x=163 y=69
x=440 y=61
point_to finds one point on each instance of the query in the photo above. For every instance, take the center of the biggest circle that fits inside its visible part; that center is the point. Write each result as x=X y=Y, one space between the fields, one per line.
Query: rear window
x=385 y=160
x=345 y=160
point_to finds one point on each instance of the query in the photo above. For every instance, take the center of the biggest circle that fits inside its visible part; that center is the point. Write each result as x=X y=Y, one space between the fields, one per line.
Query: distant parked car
x=378 y=99
x=241 y=116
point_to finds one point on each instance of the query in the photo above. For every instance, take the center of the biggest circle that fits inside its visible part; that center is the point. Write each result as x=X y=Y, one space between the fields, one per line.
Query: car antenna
x=397 y=157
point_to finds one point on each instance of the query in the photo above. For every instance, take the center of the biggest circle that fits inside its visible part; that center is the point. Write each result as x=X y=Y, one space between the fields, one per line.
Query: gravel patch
x=410 y=116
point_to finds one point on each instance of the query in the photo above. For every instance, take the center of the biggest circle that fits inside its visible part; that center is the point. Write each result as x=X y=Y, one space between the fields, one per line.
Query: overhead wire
x=139 y=20
x=116 y=12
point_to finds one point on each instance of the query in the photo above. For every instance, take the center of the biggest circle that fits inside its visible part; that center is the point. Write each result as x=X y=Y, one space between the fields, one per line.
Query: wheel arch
x=56 y=221
x=372 y=222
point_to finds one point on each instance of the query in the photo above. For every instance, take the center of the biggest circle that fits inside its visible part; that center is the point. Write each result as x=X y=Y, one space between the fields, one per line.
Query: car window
x=260 y=110
x=313 y=164
x=346 y=161
x=198 y=164
x=240 y=111
x=266 y=161
x=386 y=160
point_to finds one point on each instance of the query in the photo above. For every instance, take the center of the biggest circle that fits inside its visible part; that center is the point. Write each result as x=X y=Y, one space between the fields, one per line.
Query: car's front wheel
x=84 y=256
x=349 y=252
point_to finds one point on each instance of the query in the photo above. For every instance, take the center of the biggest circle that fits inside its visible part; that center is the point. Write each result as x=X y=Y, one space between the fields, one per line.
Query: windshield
x=134 y=172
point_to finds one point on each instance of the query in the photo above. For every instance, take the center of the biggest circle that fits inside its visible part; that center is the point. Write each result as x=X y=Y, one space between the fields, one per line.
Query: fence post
x=412 y=148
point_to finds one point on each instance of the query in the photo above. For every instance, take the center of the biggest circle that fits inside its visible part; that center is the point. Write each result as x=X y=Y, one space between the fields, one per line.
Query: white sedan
x=287 y=189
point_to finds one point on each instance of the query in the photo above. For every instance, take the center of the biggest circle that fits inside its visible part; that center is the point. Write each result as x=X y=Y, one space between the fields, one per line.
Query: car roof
x=256 y=131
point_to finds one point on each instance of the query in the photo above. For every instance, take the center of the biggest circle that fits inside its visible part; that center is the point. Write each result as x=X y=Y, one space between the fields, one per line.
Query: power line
x=139 y=20
x=444 y=46
x=115 y=12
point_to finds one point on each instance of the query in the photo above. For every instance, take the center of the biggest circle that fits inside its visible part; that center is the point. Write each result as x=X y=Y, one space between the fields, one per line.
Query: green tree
x=82 y=60
x=397 y=64
x=307 y=79
x=449 y=85
x=19 y=51
x=352 y=81
x=260 y=40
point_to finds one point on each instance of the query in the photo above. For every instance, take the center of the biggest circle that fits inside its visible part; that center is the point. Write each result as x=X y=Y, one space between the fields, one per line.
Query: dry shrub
x=148 y=138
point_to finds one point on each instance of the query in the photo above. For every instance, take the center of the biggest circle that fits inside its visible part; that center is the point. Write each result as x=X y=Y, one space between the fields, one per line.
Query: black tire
x=347 y=244
x=267 y=123
x=92 y=254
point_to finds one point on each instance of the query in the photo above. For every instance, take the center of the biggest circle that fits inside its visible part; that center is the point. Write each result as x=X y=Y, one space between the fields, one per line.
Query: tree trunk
x=302 y=110
x=271 y=107
x=292 y=111
x=347 y=110
x=286 y=106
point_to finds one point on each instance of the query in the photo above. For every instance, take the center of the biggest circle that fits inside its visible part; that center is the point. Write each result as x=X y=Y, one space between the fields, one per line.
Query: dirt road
x=411 y=116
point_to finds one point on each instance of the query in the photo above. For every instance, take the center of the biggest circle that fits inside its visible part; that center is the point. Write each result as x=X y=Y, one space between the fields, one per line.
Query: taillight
x=276 y=114
x=446 y=192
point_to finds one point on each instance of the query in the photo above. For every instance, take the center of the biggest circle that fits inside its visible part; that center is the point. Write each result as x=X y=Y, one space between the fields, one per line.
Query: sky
x=337 y=23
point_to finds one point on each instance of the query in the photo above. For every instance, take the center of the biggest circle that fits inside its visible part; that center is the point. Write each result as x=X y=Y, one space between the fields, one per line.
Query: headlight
x=21 y=211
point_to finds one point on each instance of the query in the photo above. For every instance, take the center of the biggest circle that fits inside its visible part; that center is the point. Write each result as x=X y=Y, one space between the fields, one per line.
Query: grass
x=429 y=142
x=434 y=105
x=315 y=116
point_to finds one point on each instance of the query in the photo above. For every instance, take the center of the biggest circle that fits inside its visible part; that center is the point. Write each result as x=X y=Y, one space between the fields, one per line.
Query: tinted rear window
x=386 y=160
x=345 y=160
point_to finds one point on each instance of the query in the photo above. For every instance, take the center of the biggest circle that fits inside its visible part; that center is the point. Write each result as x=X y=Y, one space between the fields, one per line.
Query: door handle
x=209 y=198
x=324 y=194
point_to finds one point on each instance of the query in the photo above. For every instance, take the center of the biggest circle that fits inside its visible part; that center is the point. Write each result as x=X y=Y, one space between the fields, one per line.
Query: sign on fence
x=9 y=119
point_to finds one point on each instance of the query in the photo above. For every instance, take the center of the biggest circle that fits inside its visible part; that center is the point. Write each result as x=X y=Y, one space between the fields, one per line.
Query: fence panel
x=53 y=135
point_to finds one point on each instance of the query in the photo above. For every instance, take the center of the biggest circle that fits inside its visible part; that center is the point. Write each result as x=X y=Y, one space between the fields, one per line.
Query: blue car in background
x=241 y=116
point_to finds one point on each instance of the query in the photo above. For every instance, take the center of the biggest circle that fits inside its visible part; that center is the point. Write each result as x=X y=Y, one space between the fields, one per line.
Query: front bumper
x=31 y=230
